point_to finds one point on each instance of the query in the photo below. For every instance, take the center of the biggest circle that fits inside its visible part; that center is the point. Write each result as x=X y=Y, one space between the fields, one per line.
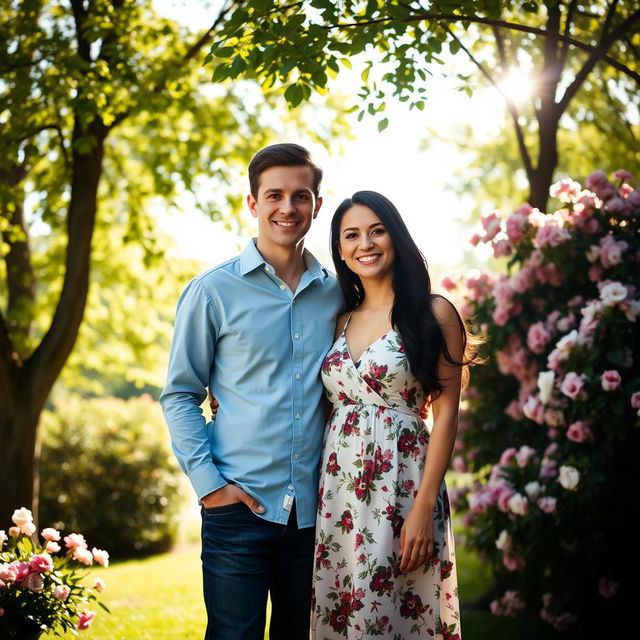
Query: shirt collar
x=251 y=259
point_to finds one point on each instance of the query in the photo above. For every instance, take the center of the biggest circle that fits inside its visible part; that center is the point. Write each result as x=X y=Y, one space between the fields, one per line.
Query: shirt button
x=297 y=416
x=297 y=376
x=296 y=335
x=283 y=287
x=296 y=456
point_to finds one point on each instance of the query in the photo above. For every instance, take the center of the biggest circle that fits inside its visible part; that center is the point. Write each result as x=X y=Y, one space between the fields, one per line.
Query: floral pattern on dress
x=374 y=453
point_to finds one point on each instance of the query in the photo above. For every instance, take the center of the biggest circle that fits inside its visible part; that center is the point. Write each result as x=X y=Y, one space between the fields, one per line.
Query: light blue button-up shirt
x=259 y=347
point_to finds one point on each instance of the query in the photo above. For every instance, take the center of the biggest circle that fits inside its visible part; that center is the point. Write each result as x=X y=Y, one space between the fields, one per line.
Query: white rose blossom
x=612 y=293
x=504 y=541
x=569 y=477
x=546 y=381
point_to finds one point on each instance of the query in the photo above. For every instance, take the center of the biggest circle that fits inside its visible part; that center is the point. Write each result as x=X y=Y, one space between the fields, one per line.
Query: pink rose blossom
x=22 y=570
x=579 y=432
x=513 y=563
x=635 y=400
x=615 y=205
x=99 y=585
x=500 y=316
x=515 y=226
x=3 y=537
x=565 y=190
x=534 y=409
x=8 y=572
x=501 y=248
x=547 y=504
x=610 y=380
x=74 y=540
x=491 y=225
x=551 y=235
x=504 y=498
x=101 y=557
x=50 y=534
x=537 y=337
x=448 y=284
x=524 y=455
x=623 y=176
x=85 y=619
x=514 y=410
x=52 y=547
x=548 y=469
x=475 y=239
x=61 y=591
x=572 y=385
x=41 y=563
x=507 y=456
x=83 y=555
x=34 y=582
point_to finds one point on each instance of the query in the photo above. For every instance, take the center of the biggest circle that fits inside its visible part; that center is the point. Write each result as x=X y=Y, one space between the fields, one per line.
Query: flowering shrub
x=550 y=423
x=40 y=587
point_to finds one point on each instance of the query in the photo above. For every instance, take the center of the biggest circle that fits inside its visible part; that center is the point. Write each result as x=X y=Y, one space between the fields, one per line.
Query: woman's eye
x=350 y=236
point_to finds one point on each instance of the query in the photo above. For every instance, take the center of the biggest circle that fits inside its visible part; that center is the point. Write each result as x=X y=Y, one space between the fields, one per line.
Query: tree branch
x=452 y=17
x=191 y=53
x=564 y=50
x=511 y=107
x=605 y=42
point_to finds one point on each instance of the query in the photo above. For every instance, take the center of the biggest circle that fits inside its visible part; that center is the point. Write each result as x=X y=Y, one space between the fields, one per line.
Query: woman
x=385 y=559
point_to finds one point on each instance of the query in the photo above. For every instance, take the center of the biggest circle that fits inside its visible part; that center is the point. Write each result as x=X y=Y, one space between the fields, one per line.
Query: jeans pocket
x=222 y=509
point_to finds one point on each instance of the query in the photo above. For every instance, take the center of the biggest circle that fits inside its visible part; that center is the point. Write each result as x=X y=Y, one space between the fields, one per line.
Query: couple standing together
x=346 y=527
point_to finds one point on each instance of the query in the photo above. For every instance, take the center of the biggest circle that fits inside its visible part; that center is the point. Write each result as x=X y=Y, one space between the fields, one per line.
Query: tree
x=301 y=44
x=103 y=105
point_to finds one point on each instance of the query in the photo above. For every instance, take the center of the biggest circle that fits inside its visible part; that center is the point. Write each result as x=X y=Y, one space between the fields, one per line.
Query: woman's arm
x=416 y=537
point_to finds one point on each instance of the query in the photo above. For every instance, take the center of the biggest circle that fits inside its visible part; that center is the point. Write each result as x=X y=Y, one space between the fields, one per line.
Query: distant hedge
x=107 y=470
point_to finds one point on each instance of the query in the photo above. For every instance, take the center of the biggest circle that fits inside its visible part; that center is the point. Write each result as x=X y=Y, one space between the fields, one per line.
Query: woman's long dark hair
x=411 y=315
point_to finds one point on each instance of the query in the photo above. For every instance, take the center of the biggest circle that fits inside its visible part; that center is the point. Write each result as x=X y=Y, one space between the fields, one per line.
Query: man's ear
x=253 y=205
x=318 y=205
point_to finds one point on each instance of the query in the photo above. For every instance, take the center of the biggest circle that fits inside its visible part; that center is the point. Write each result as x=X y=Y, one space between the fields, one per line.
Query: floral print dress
x=374 y=454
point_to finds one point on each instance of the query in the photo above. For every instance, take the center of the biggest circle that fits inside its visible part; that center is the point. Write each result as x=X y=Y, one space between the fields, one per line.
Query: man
x=254 y=330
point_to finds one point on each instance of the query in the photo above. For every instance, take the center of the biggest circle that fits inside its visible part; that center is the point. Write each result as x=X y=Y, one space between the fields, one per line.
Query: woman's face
x=365 y=244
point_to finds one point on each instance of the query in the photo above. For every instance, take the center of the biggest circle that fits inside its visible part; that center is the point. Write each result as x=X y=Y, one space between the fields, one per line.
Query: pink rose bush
x=549 y=425
x=39 y=590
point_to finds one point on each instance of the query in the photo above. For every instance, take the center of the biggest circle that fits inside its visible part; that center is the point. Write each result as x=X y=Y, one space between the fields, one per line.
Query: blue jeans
x=243 y=559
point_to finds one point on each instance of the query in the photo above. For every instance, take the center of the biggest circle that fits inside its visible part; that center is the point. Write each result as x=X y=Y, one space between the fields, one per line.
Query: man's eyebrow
x=371 y=226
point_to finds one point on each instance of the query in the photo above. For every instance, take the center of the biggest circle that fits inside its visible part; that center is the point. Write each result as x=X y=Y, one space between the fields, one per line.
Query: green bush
x=107 y=470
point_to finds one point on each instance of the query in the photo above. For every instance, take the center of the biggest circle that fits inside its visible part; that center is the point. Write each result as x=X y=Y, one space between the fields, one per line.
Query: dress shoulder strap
x=346 y=324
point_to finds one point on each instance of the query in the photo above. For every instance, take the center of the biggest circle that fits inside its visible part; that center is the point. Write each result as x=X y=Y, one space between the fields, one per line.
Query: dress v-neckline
x=357 y=362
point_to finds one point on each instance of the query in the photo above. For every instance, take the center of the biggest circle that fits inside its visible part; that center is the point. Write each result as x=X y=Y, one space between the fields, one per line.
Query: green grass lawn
x=160 y=598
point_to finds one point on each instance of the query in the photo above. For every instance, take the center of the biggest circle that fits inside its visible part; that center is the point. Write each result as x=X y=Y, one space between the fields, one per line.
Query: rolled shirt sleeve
x=189 y=372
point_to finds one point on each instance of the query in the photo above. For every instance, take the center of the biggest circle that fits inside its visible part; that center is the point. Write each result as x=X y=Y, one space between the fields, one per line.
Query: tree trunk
x=19 y=452
x=25 y=385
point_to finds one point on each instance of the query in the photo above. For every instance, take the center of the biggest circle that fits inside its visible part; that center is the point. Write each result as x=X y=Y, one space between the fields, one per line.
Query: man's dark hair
x=285 y=154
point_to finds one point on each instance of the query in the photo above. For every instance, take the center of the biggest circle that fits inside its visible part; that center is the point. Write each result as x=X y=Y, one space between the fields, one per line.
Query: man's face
x=285 y=205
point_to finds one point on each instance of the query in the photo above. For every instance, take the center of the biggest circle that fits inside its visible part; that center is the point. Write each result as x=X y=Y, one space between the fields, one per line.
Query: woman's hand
x=416 y=537
x=213 y=404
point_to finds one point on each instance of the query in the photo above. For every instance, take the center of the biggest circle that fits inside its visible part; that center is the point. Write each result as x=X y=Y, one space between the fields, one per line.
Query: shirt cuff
x=205 y=479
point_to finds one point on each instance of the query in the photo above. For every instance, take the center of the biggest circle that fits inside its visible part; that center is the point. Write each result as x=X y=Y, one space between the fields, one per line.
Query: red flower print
x=340 y=617
x=381 y=582
x=321 y=557
x=374 y=375
x=445 y=569
x=346 y=521
x=407 y=444
x=359 y=541
x=412 y=606
x=409 y=395
x=393 y=514
x=332 y=465
x=350 y=423
x=334 y=359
